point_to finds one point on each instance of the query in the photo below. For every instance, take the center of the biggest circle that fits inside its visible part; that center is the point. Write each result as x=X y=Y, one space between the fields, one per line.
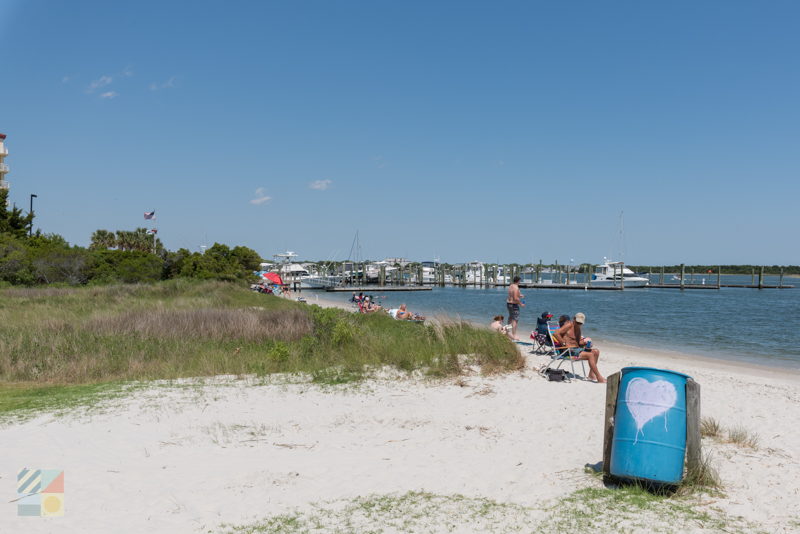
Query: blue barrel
x=649 y=440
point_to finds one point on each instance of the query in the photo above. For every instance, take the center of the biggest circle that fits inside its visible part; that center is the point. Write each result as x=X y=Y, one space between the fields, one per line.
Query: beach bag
x=556 y=375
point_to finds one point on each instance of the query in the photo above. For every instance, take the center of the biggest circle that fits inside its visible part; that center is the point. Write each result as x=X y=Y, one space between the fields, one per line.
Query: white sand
x=186 y=459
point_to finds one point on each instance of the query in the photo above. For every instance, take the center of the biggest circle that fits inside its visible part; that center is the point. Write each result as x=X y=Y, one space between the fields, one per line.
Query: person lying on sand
x=569 y=335
x=404 y=314
x=498 y=326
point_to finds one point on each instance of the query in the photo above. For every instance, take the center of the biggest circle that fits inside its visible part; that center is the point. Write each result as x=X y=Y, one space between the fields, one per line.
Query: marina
x=363 y=289
x=403 y=275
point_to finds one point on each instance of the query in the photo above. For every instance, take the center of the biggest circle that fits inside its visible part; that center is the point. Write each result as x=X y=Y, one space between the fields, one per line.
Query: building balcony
x=4 y=184
x=3 y=168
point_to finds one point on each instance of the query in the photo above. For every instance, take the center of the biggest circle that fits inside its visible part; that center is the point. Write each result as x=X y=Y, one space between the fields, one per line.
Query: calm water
x=730 y=323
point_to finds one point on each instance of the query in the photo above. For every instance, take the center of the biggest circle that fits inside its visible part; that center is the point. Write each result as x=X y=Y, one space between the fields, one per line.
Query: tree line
x=127 y=256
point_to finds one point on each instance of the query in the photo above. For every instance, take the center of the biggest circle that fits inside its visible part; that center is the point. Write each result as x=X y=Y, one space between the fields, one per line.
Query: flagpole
x=151 y=215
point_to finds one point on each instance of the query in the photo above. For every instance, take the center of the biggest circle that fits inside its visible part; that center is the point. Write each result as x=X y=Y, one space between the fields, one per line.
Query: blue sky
x=501 y=131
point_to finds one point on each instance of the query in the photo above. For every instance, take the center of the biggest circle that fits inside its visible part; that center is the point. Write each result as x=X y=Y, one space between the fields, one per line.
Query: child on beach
x=498 y=326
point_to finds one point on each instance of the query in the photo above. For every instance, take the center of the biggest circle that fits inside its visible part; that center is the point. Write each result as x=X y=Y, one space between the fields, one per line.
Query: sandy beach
x=195 y=456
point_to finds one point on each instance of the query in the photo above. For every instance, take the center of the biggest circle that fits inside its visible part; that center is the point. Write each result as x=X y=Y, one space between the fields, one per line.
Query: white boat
x=609 y=273
x=293 y=273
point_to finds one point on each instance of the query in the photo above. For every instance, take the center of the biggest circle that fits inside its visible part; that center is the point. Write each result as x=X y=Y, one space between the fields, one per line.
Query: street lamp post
x=30 y=232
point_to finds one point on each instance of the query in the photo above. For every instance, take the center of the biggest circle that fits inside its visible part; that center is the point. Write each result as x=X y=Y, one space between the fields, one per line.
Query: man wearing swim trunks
x=513 y=303
x=569 y=335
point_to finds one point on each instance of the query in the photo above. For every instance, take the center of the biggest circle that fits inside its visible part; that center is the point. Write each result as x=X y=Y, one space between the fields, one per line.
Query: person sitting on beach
x=562 y=320
x=498 y=326
x=569 y=335
x=404 y=314
x=541 y=332
x=541 y=323
x=371 y=307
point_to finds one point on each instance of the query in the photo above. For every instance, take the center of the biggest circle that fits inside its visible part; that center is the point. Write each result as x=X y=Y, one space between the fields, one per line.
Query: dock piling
x=683 y=275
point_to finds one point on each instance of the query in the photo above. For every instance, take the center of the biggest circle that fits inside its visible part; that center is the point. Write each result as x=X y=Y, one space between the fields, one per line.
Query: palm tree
x=124 y=240
x=102 y=240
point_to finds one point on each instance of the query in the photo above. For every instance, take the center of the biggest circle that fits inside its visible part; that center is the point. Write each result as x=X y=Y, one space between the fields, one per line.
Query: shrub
x=129 y=267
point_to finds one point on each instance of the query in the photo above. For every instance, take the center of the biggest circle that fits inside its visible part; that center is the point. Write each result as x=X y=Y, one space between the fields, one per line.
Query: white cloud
x=66 y=79
x=261 y=198
x=127 y=71
x=102 y=81
x=320 y=185
x=169 y=84
x=109 y=95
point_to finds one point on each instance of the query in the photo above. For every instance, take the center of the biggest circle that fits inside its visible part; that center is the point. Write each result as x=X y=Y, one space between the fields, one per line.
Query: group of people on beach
x=366 y=304
x=567 y=336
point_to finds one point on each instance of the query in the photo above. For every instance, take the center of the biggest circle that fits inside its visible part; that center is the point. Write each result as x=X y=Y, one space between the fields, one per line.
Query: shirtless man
x=513 y=303
x=569 y=335
x=403 y=314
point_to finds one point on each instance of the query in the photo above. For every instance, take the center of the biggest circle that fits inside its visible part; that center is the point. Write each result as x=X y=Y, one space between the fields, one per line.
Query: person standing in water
x=513 y=303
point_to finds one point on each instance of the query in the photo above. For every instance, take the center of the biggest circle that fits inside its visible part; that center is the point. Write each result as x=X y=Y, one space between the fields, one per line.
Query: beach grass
x=742 y=437
x=710 y=427
x=738 y=435
x=594 y=509
x=62 y=346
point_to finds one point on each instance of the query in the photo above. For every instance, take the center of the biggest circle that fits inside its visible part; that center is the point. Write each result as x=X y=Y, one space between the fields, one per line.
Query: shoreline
x=606 y=345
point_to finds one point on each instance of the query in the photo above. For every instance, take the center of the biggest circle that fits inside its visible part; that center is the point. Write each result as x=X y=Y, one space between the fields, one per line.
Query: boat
x=608 y=274
x=296 y=273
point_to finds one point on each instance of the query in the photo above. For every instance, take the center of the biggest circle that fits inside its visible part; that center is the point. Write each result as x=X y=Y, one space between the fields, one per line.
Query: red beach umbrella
x=275 y=278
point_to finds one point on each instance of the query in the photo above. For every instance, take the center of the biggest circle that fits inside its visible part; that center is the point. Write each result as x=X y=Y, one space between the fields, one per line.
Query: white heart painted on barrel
x=647 y=400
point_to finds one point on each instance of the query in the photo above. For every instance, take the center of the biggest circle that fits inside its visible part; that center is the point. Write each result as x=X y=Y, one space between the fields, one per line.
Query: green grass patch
x=632 y=508
x=414 y=511
x=67 y=346
x=589 y=510
x=21 y=401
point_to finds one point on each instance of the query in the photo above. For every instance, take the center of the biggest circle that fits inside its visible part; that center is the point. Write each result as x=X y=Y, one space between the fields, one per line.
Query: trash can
x=649 y=441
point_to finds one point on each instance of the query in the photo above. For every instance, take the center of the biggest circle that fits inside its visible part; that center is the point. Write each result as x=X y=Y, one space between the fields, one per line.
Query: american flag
x=154 y=231
x=149 y=215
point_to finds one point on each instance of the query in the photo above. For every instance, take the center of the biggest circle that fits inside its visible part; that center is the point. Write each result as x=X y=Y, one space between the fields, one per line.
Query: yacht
x=608 y=274
x=298 y=273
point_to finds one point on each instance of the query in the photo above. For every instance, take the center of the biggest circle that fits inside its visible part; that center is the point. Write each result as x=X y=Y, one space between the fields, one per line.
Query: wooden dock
x=685 y=286
x=715 y=286
x=582 y=287
x=756 y=286
x=376 y=289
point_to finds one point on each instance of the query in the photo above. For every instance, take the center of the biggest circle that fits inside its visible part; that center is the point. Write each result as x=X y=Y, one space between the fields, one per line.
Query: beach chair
x=541 y=343
x=559 y=355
